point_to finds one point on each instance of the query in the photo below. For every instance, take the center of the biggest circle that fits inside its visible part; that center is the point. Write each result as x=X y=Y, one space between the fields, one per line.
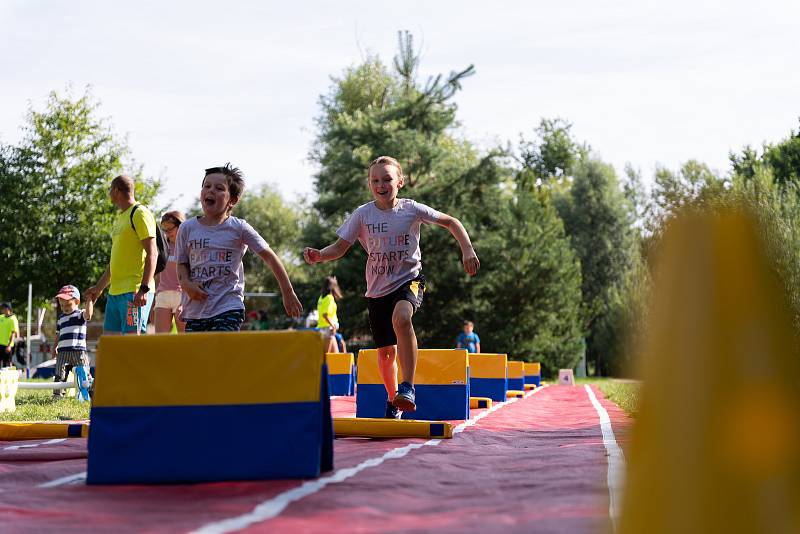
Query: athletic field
x=537 y=464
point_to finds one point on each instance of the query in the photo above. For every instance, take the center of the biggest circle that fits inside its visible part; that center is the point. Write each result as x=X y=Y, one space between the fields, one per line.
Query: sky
x=196 y=84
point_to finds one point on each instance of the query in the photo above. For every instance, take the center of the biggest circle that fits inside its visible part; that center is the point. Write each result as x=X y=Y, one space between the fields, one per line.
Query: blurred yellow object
x=716 y=445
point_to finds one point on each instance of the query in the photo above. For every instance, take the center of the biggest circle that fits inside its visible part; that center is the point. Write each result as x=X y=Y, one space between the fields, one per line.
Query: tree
x=531 y=287
x=56 y=215
x=597 y=217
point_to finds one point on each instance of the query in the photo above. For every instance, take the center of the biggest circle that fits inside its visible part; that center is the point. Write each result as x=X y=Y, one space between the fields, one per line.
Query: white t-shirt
x=391 y=239
x=214 y=255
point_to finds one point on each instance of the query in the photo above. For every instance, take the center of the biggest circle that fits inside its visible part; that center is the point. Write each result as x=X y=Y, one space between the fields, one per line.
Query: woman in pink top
x=168 y=291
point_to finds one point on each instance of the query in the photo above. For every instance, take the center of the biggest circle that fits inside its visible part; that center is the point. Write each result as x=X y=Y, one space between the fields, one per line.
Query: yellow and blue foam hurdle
x=488 y=376
x=341 y=373
x=441 y=382
x=533 y=374
x=480 y=402
x=177 y=409
x=19 y=430
x=516 y=375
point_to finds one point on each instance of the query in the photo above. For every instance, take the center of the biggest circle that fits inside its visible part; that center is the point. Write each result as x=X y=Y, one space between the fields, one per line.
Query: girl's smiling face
x=384 y=183
x=215 y=196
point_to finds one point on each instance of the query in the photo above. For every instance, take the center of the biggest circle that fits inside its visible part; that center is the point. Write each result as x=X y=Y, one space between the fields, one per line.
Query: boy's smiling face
x=384 y=183
x=215 y=196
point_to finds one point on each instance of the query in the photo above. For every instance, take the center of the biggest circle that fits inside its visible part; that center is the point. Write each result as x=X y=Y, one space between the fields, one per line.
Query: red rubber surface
x=536 y=465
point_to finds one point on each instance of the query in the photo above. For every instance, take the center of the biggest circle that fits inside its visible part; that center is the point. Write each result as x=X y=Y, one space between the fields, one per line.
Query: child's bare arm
x=96 y=290
x=329 y=253
x=468 y=256
x=194 y=291
x=88 y=311
x=290 y=301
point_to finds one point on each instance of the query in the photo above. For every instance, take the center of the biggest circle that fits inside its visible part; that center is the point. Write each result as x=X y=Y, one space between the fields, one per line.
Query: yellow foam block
x=516 y=369
x=291 y=360
x=17 y=430
x=434 y=366
x=480 y=402
x=529 y=387
x=514 y=393
x=9 y=380
x=339 y=363
x=483 y=365
x=365 y=427
x=532 y=369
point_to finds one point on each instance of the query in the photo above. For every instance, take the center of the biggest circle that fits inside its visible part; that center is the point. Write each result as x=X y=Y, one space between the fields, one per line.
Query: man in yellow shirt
x=133 y=264
x=9 y=332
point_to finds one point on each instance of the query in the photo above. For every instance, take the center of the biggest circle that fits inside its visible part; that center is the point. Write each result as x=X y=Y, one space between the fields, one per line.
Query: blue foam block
x=443 y=402
x=494 y=388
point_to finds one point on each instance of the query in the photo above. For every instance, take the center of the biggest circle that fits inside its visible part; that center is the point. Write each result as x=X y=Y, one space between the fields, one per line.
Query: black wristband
x=144 y=288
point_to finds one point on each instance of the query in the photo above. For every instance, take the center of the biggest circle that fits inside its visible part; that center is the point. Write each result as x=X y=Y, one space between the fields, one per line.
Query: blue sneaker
x=391 y=411
x=404 y=399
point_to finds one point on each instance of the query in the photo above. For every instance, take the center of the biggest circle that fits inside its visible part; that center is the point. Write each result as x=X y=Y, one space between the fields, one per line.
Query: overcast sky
x=196 y=84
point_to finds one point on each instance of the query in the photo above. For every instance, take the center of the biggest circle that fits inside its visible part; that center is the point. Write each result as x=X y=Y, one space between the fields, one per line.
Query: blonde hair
x=386 y=160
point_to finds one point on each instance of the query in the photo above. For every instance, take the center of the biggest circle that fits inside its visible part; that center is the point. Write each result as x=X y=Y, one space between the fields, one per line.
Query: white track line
x=273 y=507
x=69 y=479
x=31 y=446
x=616 y=460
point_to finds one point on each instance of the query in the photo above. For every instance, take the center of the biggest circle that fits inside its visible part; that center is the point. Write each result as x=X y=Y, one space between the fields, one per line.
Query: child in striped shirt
x=70 y=349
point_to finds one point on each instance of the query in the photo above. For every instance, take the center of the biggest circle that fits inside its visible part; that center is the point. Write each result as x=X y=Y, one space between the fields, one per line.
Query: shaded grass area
x=40 y=405
x=624 y=393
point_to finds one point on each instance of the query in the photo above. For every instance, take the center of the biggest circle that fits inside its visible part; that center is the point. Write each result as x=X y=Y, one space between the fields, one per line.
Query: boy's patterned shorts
x=65 y=360
x=229 y=321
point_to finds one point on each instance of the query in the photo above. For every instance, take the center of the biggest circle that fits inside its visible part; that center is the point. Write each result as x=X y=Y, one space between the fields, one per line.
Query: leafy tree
x=531 y=285
x=597 y=217
x=56 y=215
x=553 y=153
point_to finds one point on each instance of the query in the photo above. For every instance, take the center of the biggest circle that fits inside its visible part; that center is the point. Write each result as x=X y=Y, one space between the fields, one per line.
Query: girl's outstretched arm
x=291 y=303
x=329 y=253
x=468 y=256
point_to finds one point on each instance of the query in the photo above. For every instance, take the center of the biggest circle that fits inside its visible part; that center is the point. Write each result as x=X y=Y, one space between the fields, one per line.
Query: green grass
x=623 y=393
x=40 y=405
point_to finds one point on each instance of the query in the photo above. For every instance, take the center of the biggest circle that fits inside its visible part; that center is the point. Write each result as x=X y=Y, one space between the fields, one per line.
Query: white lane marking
x=273 y=507
x=69 y=479
x=616 y=460
x=31 y=446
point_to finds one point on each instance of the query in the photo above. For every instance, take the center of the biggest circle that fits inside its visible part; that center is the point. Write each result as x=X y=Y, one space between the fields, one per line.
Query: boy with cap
x=70 y=348
x=9 y=332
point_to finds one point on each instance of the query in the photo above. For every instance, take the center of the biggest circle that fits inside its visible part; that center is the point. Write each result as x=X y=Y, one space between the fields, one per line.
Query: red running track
x=535 y=465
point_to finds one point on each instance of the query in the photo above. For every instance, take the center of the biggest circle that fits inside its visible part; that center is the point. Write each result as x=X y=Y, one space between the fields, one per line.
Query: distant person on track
x=168 y=291
x=70 y=345
x=468 y=339
x=209 y=254
x=389 y=228
x=9 y=333
x=130 y=272
x=328 y=321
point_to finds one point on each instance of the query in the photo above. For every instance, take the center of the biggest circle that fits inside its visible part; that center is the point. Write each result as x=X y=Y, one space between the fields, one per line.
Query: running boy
x=388 y=229
x=209 y=252
x=70 y=349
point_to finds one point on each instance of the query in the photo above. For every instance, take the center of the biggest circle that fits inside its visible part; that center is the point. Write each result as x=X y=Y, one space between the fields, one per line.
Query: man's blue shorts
x=123 y=317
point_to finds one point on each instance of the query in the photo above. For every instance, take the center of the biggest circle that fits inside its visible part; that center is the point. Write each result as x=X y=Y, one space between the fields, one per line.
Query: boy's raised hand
x=471 y=262
x=292 y=305
x=312 y=255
